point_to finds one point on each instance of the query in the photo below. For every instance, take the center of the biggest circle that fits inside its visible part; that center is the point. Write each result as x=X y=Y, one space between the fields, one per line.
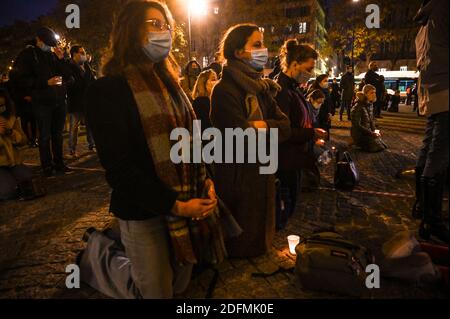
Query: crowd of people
x=171 y=215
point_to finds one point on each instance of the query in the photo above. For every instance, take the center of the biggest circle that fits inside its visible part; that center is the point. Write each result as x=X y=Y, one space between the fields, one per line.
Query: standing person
x=348 y=91
x=297 y=63
x=22 y=99
x=432 y=62
x=216 y=66
x=361 y=85
x=415 y=96
x=335 y=95
x=408 y=95
x=81 y=77
x=373 y=78
x=44 y=73
x=243 y=99
x=160 y=205
x=202 y=97
x=363 y=129
x=325 y=113
x=13 y=174
x=191 y=73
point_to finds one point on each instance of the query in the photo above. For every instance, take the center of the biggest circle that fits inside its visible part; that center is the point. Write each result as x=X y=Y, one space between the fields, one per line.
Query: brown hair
x=125 y=44
x=200 y=86
x=293 y=51
x=235 y=38
x=316 y=94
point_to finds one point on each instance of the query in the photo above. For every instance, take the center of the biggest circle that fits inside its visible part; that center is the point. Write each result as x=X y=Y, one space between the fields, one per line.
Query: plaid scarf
x=192 y=241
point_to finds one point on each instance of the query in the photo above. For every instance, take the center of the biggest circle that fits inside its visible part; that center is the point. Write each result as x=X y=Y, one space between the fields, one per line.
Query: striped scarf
x=192 y=241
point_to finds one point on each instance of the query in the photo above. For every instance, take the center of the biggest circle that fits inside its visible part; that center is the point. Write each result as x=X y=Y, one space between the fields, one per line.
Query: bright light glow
x=355 y=0
x=198 y=7
x=57 y=37
x=293 y=241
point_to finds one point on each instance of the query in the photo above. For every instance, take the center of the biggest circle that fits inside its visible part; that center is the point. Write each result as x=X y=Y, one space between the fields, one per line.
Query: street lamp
x=195 y=8
x=353 y=38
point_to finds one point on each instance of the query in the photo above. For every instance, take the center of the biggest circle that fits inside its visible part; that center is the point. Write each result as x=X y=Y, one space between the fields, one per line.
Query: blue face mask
x=158 y=46
x=259 y=59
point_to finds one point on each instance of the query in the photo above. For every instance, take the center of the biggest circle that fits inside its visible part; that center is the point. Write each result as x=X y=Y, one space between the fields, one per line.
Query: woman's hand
x=210 y=190
x=320 y=133
x=195 y=208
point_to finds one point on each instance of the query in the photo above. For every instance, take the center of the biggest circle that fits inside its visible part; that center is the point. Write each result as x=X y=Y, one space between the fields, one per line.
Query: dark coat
x=31 y=71
x=347 y=87
x=202 y=108
x=295 y=153
x=249 y=195
x=137 y=192
x=77 y=86
x=375 y=79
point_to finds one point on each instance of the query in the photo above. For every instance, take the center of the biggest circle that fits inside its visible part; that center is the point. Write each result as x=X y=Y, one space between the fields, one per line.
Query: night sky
x=28 y=10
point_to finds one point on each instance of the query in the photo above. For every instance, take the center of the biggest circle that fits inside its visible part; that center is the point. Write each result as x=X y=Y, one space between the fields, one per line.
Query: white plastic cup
x=293 y=241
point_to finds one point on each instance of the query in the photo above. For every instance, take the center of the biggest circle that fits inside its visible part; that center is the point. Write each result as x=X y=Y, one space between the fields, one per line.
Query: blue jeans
x=10 y=178
x=433 y=156
x=75 y=121
x=50 y=121
x=142 y=268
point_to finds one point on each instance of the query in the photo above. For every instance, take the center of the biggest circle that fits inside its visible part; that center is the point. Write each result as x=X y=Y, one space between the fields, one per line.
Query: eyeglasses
x=156 y=23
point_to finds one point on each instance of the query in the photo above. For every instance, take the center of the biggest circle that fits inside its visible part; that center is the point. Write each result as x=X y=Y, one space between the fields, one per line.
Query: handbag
x=346 y=175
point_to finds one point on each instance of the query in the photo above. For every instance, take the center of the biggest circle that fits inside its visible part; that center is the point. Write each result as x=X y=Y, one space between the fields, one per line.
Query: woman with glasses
x=160 y=205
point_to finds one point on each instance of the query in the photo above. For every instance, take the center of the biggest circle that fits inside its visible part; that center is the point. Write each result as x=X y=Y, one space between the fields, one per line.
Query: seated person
x=12 y=172
x=394 y=102
x=363 y=129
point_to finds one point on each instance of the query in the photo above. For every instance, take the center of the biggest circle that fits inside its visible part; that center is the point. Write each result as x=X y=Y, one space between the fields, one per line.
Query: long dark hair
x=125 y=44
x=10 y=109
x=235 y=39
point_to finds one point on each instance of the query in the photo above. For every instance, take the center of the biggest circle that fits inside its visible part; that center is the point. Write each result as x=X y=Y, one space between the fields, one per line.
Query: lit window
x=382 y=70
x=302 y=27
x=404 y=68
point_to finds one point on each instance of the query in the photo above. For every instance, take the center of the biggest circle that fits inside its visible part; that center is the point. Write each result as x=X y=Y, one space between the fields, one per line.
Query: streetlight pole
x=353 y=37
x=189 y=32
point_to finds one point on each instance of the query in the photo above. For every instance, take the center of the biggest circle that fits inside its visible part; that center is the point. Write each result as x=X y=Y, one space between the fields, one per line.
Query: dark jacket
x=137 y=192
x=31 y=71
x=374 y=79
x=202 y=108
x=296 y=152
x=363 y=122
x=249 y=195
x=347 y=86
x=77 y=86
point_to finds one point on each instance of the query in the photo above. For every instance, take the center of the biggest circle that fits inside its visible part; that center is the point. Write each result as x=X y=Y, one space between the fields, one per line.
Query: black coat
x=77 y=86
x=295 y=153
x=202 y=108
x=137 y=192
x=347 y=86
x=31 y=71
x=375 y=79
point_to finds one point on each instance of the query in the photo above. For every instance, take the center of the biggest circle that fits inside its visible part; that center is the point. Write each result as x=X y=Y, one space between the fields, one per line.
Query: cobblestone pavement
x=39 y=238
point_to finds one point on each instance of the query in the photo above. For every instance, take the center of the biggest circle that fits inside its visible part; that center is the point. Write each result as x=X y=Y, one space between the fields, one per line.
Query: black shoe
x=431 y=197
x=62 y=169
x=87 y=234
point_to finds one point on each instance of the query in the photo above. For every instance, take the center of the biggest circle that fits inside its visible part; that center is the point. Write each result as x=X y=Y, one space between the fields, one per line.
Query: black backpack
x=346 y=175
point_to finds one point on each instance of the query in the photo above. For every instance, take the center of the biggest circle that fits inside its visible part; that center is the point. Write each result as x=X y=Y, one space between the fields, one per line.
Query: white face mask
x=158 y=46
x=46 y=48
x=304 y=77
x=324 y=85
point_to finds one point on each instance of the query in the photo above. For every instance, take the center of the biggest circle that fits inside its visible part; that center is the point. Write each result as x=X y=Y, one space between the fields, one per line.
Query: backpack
x=346 y=175
x=328 y=262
